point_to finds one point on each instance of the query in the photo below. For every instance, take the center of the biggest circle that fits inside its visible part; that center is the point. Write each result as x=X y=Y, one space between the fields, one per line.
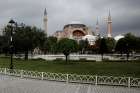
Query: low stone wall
x=73 y=57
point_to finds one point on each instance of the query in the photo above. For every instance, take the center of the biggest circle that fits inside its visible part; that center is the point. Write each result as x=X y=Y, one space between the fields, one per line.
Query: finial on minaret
x=109 y=17
x=45 y=12
x=109 y=25
x=109 y=13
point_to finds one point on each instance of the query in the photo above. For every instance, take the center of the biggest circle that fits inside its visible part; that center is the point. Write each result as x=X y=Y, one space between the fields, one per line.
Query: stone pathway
x=10 y=84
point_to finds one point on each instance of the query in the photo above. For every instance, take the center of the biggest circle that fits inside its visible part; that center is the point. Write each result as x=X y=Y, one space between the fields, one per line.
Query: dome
x=75 y=25
x=118 y=37
x=75 y=22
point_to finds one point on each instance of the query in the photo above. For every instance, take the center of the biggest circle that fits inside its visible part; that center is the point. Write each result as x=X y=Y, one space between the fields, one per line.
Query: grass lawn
x=92 y=68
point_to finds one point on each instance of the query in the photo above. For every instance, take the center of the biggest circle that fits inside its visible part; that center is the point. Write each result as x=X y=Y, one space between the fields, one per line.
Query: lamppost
x=127 y=51
x=11 y=23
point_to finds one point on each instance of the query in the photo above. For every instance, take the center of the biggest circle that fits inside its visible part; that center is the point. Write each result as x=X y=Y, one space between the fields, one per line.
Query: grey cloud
x=125 y=13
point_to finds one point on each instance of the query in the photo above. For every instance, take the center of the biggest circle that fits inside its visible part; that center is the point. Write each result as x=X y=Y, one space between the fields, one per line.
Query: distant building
x=78 y=31
x=73 y=31
x=58 y=34
x=91 y=39
x=118 y=37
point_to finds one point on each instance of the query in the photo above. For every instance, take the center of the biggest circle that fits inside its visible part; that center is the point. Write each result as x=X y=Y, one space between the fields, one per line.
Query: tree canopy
x=67 y=46
x=131 y=42
x=102 y=47
x=25 y=39
x=50 y=45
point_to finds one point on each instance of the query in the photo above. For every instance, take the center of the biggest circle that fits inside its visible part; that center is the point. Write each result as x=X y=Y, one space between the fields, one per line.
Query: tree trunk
x=102 y=56
x=26 y=55
x=121 y=53
x=66 y=58
x=127 y=55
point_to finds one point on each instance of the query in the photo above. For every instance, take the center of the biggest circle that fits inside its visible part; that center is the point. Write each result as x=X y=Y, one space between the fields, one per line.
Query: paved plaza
x=9 y=84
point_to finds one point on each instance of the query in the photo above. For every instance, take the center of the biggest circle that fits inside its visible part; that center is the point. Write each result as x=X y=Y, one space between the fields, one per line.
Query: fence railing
x=74 y=78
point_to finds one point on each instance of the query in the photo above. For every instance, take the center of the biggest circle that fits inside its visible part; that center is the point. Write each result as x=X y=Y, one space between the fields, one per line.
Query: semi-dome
x=118 y=37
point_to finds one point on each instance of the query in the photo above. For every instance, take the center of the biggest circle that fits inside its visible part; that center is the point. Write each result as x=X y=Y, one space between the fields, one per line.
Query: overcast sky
x=125 y=13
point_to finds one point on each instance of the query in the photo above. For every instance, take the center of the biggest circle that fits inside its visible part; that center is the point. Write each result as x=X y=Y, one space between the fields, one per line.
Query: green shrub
x=58 y=59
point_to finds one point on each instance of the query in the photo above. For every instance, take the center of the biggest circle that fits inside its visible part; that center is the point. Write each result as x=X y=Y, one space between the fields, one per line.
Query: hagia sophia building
x=78 y=31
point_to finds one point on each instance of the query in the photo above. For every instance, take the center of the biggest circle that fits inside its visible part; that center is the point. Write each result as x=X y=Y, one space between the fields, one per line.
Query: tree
x=28 y=38
x=103 y=47
x=67 y=46
x=97 y=46
x=5 y=40
x=120 y=46
x=1 y=44
x=83 y=45
x=25 y=38
x=110 y=42
x=128 y=44
x=138 y=44
x=50 y=45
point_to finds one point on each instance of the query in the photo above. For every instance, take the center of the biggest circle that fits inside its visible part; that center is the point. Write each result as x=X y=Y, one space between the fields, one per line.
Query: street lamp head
x=11 y=22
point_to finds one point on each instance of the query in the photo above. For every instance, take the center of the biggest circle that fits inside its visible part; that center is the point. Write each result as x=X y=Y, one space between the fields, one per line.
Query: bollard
x=21 y=74
x=5 y=71
x=67 y=81
x=129 y=82
x=42 y=75
x=96 y=80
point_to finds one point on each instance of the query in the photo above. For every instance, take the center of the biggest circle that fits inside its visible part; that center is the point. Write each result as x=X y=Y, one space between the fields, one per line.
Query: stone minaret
x=109 y=26
x=97 y=28
x=45 y=21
